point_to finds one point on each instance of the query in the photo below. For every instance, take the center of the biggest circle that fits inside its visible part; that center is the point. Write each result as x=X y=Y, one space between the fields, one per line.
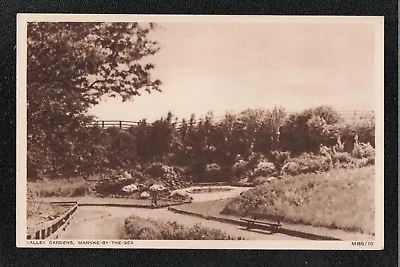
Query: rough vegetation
x=139 y=228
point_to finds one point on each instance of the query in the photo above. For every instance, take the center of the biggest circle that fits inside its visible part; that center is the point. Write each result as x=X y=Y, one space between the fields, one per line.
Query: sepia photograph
x=139 y=131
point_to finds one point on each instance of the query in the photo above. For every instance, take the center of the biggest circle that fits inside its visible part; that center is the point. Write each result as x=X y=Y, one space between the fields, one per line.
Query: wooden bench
x=254 y=219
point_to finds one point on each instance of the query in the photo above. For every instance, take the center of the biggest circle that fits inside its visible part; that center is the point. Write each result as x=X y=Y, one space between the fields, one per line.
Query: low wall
x=51 y=228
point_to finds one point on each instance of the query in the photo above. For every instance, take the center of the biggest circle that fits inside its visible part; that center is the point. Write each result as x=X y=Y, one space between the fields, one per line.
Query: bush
x=291 y=168
x=213 y=168
x=342 y=157
x=239 y=168
x=307 y=163
x=139 y=228
x=264 y=168
x=212 y=172
x=278 y=158
x=180 y=195
x=113 y=186
x=160 y=170
x=362 y=150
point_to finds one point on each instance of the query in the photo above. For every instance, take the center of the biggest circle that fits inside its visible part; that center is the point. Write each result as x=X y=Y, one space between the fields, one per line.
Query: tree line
x=198 y=142
x=72 y=65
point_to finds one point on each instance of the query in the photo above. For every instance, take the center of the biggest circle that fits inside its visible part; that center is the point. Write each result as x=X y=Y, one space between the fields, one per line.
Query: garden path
x=100 y=222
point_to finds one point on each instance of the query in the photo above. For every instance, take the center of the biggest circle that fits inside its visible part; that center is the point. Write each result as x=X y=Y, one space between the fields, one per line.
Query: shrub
x=261 y=180
x=278 y=158
x=78 y=191
x=113 y=186
x=342 y=157
x=264 y=168
x=180 y=195
x=291 y=168
x=213 y=168
x=160 y=170
x=139 y=228
x=239 y=168
x=308 y=163
x=362 y=150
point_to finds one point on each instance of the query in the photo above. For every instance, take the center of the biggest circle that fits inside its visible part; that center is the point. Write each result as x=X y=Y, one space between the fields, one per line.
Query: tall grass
x=339 y=198
x=58 y=187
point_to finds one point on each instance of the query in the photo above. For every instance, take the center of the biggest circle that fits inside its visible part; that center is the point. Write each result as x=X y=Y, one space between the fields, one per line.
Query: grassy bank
x=339 y=199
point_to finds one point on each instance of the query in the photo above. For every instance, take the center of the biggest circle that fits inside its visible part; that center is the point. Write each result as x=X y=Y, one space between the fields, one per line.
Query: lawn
x=206 y=208
x=339 y=199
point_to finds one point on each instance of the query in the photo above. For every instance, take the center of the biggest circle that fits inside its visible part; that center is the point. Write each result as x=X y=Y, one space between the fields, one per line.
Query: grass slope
x=338 y=199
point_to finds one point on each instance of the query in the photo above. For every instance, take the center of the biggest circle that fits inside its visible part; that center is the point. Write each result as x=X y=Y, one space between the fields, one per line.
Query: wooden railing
x=51 y=228
x=120 y=124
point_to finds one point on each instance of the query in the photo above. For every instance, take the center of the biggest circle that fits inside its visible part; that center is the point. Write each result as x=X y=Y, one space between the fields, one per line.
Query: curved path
x=94 y=222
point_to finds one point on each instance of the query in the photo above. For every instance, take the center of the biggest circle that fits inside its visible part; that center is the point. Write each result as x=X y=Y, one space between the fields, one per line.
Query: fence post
x=120 y=124
x=102 y=124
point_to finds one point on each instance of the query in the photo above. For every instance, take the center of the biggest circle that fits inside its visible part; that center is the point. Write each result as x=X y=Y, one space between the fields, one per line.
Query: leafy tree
x=267 y=136
x=305 y=131
x=70 y=66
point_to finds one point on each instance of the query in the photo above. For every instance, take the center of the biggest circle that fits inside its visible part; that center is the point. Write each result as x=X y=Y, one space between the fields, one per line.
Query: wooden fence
x=120 y=124
x=51 y=228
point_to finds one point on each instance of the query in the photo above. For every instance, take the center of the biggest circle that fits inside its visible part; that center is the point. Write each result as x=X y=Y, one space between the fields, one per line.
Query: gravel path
x=108 y=222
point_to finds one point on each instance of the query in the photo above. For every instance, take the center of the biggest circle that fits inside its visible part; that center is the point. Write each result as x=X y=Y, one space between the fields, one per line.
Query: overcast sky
x=232 y=66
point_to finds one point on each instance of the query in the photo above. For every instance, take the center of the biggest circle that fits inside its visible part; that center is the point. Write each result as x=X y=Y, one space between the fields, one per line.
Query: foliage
x=261 y=180
x=70 y=66
x=342 y=157
x=264 y=168
x=113 y=186
x=139 y=228
x=362 y=150
x=278 y=158
x=306 y=131
x=239 y=168
x=307 y=163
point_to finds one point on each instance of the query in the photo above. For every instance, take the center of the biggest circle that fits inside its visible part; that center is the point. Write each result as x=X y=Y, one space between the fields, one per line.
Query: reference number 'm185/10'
x=362 y=243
